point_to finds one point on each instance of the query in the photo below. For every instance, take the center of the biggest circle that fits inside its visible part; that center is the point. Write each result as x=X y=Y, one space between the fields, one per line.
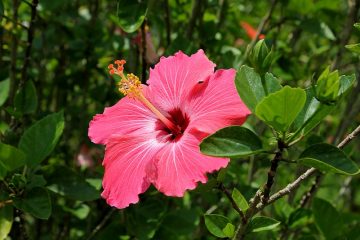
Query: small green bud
x=328 y=85
x=261 y=57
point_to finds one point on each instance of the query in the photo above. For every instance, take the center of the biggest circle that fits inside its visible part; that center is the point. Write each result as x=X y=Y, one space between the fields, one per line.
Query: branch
x=30 y=38
x=233 y=203
x=292 y=186
x=101 y=224
x=319 y=177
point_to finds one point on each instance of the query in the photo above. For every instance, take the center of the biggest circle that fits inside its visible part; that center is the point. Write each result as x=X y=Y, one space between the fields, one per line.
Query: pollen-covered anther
x=130 y=85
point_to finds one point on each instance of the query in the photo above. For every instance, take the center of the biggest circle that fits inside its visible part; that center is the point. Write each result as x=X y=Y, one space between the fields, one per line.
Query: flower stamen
x=131 y=86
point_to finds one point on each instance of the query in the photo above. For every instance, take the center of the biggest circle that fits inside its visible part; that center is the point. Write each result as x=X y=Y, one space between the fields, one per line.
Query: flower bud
x=261 y=57
x=328 y=85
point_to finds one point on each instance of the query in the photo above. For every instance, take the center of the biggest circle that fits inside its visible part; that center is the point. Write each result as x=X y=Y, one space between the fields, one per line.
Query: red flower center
x=180 y=119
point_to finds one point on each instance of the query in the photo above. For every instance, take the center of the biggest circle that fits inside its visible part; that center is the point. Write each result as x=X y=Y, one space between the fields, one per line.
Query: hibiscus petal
x=180 y=165
x=173 y=77
x=215 y=103
x=128 y=116
x=126 y=160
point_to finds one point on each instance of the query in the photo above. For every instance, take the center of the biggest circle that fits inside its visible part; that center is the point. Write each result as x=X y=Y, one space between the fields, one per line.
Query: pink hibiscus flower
x=152 y=135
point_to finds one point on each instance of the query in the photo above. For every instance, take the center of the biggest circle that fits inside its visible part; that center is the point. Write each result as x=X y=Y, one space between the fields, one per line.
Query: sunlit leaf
x=4 y=87
x=131 y=14
x=216 y=224
x=280 y=109
x=259 y=224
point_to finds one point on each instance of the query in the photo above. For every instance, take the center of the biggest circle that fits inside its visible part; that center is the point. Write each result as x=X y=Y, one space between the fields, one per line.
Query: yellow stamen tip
x=130 y=85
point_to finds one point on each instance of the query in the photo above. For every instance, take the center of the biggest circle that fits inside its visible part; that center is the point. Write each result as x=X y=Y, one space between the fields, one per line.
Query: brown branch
x=30 y=37
x=256 y=205
x=294 y=185
x=231 y=199
x=101 y=224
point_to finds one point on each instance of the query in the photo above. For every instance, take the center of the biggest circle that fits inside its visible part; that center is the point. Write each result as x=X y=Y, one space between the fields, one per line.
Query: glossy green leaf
x=240 y=200
x=6 y=220
x=229 y=230
x=328 y=158
x=131 y=14
x=272 y=84
x=327 y=218
x=354 y=47
x=26 y=99
x=233 y=141
x=40 y=139
x=11 y=158
x=280 y=109
x=66 y=182
x=249 y=86
x=346 y=84
x=259 y=224
x=4 y=90
x=36 y=202
x=216 y=223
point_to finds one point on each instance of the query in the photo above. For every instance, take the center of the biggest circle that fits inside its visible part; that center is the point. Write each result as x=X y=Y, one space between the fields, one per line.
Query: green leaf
x=6 y=220
x=41 y=138
x=11 y=158
x=328 y=158
x=229 y=230
x=259 y=224
x=346 y=84
x=216 y=223
x=272 y=84
x=26 y=99
x=240 y=200
x=146 y=218
x=249 y=86
x=66 y=182
x=300 y=217
x=354 y=47
x=233 y=141
x=4 y=87
x=280 y=109
x=36 y=202
x=131 y=14
x=312 y=113
x=327 y=218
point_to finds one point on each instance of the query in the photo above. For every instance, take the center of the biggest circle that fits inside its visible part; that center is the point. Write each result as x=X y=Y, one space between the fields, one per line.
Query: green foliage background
x=53 y=80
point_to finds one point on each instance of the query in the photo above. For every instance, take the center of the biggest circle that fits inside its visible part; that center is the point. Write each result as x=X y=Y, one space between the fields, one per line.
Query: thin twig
x=319 y=177
x=292 y=186
x=231 y=199
x=256 y=205
x=101 y=224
